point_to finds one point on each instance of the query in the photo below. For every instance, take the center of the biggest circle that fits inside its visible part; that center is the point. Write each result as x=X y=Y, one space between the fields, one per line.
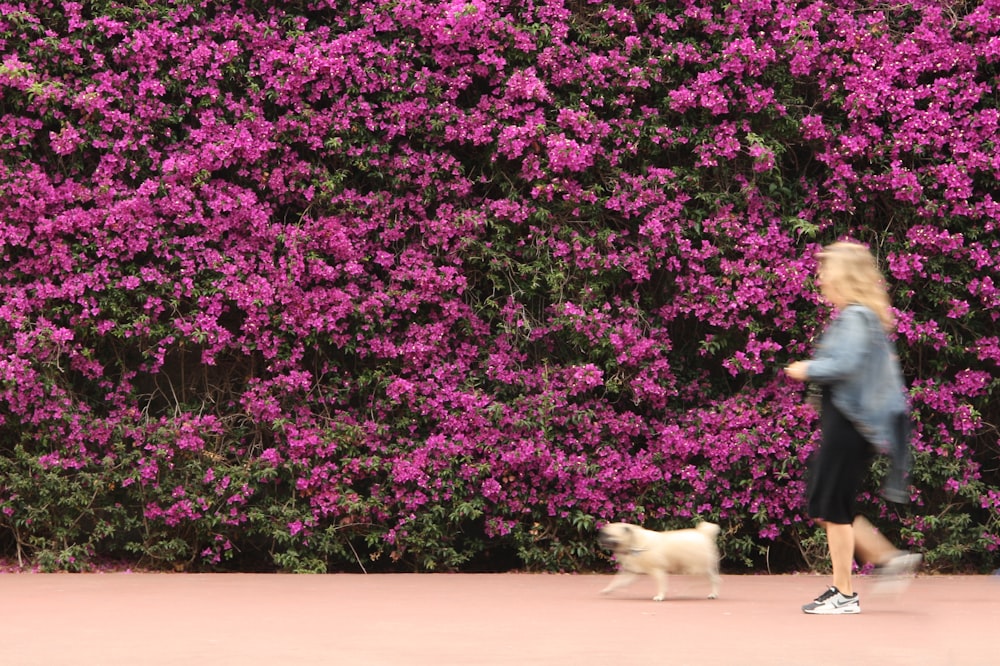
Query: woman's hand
x=798 y=370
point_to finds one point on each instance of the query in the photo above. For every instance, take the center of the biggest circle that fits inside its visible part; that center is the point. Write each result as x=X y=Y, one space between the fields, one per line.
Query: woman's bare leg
x=840 y=539
x=871 y=546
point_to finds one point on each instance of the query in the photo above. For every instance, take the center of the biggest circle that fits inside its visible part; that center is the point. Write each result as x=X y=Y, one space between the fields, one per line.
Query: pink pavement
x=141 y=619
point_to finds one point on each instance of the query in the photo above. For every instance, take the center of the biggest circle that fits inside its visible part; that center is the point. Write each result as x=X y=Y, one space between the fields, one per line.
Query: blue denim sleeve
x=842 y=350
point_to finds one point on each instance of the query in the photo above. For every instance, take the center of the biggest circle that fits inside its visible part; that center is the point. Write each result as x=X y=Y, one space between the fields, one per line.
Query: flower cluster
x=452 y=283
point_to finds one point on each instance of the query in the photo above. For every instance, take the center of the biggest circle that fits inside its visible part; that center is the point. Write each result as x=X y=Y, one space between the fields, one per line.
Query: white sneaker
x=894 y=576
x=833 y=602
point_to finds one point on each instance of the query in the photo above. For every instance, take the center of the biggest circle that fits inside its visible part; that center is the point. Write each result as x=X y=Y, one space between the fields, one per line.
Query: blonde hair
x=852 y=271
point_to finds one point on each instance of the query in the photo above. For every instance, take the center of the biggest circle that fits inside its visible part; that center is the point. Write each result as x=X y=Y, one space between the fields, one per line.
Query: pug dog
x=641 y=551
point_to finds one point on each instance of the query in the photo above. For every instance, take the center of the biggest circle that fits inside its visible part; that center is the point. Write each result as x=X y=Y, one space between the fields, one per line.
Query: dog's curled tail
x=711 y=529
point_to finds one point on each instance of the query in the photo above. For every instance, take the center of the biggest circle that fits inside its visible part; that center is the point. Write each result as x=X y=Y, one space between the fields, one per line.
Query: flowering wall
x=424 y=285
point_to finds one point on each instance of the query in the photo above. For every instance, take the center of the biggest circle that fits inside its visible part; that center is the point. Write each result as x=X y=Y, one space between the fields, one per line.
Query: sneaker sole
x=844 y=610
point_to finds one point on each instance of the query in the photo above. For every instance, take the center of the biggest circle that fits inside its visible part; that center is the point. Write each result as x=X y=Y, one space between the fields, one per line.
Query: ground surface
x=131 y=619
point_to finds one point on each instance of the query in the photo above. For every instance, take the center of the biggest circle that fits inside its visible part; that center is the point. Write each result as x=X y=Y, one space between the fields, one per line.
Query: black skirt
x=837 y=468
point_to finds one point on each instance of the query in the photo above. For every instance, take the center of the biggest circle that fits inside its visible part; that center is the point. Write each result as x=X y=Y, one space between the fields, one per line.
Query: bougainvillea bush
x=424 y=285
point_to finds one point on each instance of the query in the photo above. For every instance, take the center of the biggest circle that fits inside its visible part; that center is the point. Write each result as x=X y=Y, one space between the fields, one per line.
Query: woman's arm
x=844 y=348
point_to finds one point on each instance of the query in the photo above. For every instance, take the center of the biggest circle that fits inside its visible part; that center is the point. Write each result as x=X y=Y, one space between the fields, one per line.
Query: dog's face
x=616 y=537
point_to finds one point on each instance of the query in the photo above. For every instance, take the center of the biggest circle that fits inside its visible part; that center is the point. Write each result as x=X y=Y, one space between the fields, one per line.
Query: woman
x=864 y=410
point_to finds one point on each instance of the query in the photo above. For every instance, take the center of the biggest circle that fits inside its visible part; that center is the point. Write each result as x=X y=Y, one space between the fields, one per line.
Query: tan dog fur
x=641 y=551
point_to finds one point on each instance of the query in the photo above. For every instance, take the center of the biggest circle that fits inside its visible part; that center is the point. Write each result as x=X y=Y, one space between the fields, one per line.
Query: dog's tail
x=708 y=529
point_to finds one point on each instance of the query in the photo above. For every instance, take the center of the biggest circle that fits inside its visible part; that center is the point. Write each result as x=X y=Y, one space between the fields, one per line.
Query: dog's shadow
x=684 y=591
x=667 y=601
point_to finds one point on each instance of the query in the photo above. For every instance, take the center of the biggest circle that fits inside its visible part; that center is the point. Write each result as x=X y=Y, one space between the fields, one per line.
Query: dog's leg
x=714 y=579
x=621 y=579
x=660 y=576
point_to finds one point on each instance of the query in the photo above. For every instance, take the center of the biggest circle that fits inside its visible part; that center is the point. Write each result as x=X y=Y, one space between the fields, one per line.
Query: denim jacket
x=856 y=360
